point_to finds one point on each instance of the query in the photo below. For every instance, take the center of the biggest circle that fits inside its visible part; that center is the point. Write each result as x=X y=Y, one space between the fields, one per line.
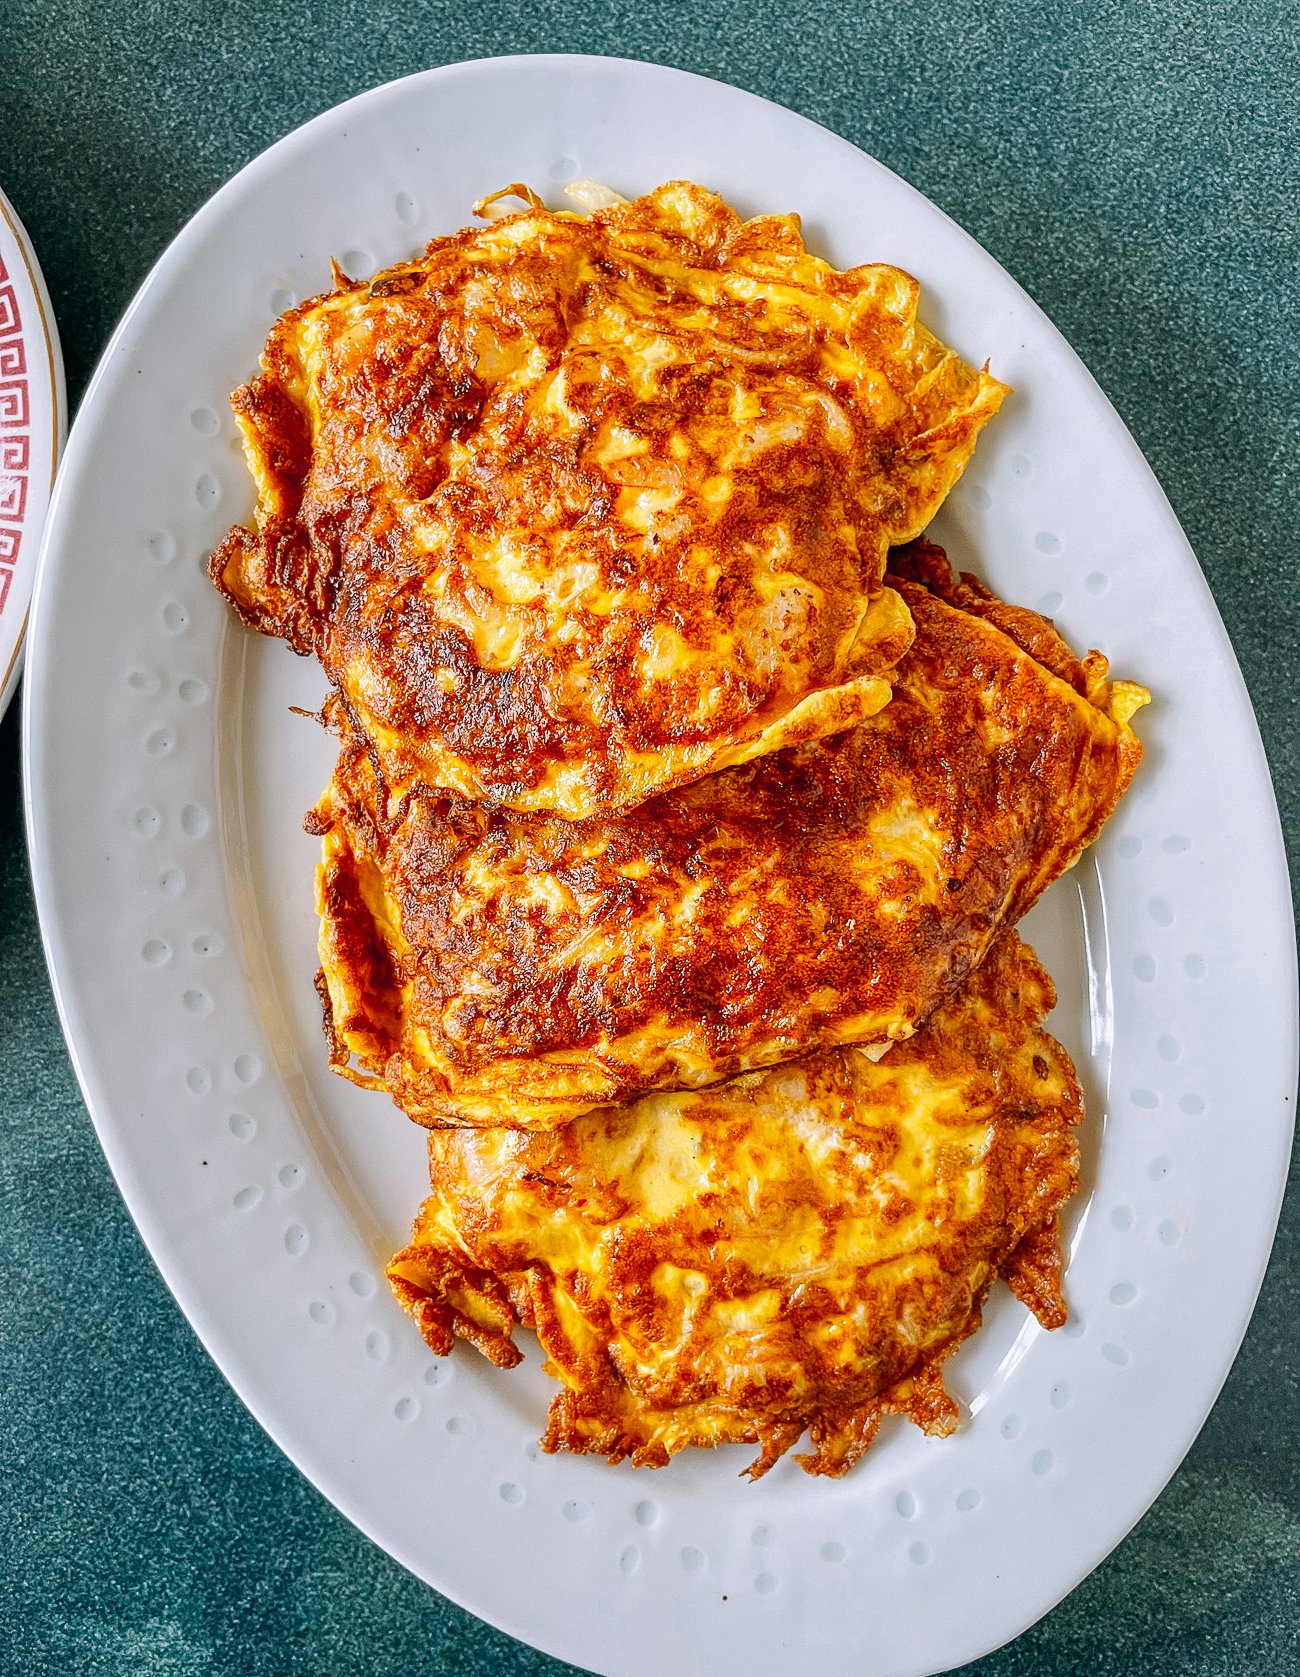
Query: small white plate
x=32 y=425
x=167 y=780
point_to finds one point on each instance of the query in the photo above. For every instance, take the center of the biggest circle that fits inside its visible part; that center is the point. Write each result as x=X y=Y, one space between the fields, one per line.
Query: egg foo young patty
x=489 y=967
x=799 y=1249
x=575 y=509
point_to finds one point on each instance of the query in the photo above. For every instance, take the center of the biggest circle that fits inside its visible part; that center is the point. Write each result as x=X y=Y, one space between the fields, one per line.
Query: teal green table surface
x=1135 y=166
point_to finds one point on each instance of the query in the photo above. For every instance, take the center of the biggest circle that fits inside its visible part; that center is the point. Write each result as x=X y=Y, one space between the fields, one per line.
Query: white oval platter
x=167 y=780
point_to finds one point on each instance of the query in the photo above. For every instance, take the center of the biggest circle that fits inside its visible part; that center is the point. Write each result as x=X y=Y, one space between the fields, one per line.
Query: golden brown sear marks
x=488 y=967
x=579 y=508
x=796 y=1250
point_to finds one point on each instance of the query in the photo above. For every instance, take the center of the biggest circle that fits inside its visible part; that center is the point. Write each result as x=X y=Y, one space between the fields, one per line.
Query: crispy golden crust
x=495 y=968
x=576 y=509
x=798 y=1249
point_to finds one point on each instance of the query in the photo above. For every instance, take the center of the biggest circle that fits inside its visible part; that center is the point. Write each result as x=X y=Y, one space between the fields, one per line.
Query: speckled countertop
x=1134 y=165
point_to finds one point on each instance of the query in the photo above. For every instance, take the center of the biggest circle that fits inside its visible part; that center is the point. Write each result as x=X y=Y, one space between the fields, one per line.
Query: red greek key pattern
x=13 y=499
x=15 y=437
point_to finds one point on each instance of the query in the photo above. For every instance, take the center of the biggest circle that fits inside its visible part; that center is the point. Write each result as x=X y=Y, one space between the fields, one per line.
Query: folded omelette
x=489 y=967
x=576 y=509
x=798 y=1249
